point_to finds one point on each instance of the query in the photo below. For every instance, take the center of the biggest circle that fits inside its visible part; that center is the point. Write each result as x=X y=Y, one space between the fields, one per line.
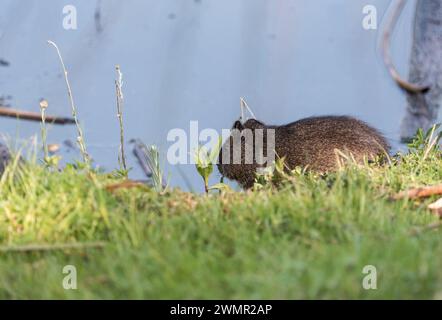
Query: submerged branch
x=33 y=116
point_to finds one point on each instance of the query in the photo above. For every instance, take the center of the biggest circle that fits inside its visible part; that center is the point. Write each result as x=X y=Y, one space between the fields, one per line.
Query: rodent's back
x=313 y=141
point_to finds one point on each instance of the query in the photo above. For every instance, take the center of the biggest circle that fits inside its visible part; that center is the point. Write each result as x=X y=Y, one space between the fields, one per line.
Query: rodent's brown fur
x=311 y=143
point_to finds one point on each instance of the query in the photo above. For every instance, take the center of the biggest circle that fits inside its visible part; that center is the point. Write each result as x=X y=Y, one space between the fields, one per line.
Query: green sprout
x=153 y=162
x=204 y=160
x=425 y=142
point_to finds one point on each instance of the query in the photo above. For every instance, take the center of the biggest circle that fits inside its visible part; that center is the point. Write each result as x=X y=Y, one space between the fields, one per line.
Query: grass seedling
x=204 y=160
x=425 y=142
x=153 y=162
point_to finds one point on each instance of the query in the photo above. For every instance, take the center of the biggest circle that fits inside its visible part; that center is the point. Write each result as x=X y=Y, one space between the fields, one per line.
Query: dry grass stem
x=80 y=138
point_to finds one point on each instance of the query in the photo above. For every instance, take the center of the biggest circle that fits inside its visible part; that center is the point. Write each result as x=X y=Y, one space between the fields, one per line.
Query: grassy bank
x=310 y=238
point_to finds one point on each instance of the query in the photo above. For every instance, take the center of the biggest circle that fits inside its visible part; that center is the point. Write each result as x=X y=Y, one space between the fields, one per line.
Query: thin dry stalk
x=43 y=107
x=80 y=138
x=431 y=142
x=120 y=100
x=243 y=104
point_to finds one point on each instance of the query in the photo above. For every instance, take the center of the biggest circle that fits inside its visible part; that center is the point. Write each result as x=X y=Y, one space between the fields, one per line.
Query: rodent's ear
x=254 y=124
x=238 y=125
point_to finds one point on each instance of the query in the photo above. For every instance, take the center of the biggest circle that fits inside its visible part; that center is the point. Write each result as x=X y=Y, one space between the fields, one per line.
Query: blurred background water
x=186 y=60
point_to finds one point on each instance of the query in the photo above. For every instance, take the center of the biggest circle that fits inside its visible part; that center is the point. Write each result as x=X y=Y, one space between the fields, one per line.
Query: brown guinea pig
x=310 y=142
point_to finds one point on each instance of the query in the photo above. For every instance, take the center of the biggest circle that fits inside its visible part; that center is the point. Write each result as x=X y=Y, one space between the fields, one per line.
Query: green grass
x=310 y=238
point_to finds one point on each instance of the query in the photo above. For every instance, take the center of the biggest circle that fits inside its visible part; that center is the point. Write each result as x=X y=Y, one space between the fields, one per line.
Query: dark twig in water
x=33 y=116
x=4 y=63
x=140 y=153
x=97 y=17
x=148 y=158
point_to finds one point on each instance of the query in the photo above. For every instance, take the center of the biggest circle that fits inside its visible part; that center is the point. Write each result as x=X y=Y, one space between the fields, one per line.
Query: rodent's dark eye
x=238 y=125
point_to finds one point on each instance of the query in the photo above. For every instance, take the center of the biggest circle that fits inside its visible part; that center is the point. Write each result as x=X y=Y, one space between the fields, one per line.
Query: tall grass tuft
x=149 y=159
x=432 y=140
x=153 y=161
x=425 y=142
